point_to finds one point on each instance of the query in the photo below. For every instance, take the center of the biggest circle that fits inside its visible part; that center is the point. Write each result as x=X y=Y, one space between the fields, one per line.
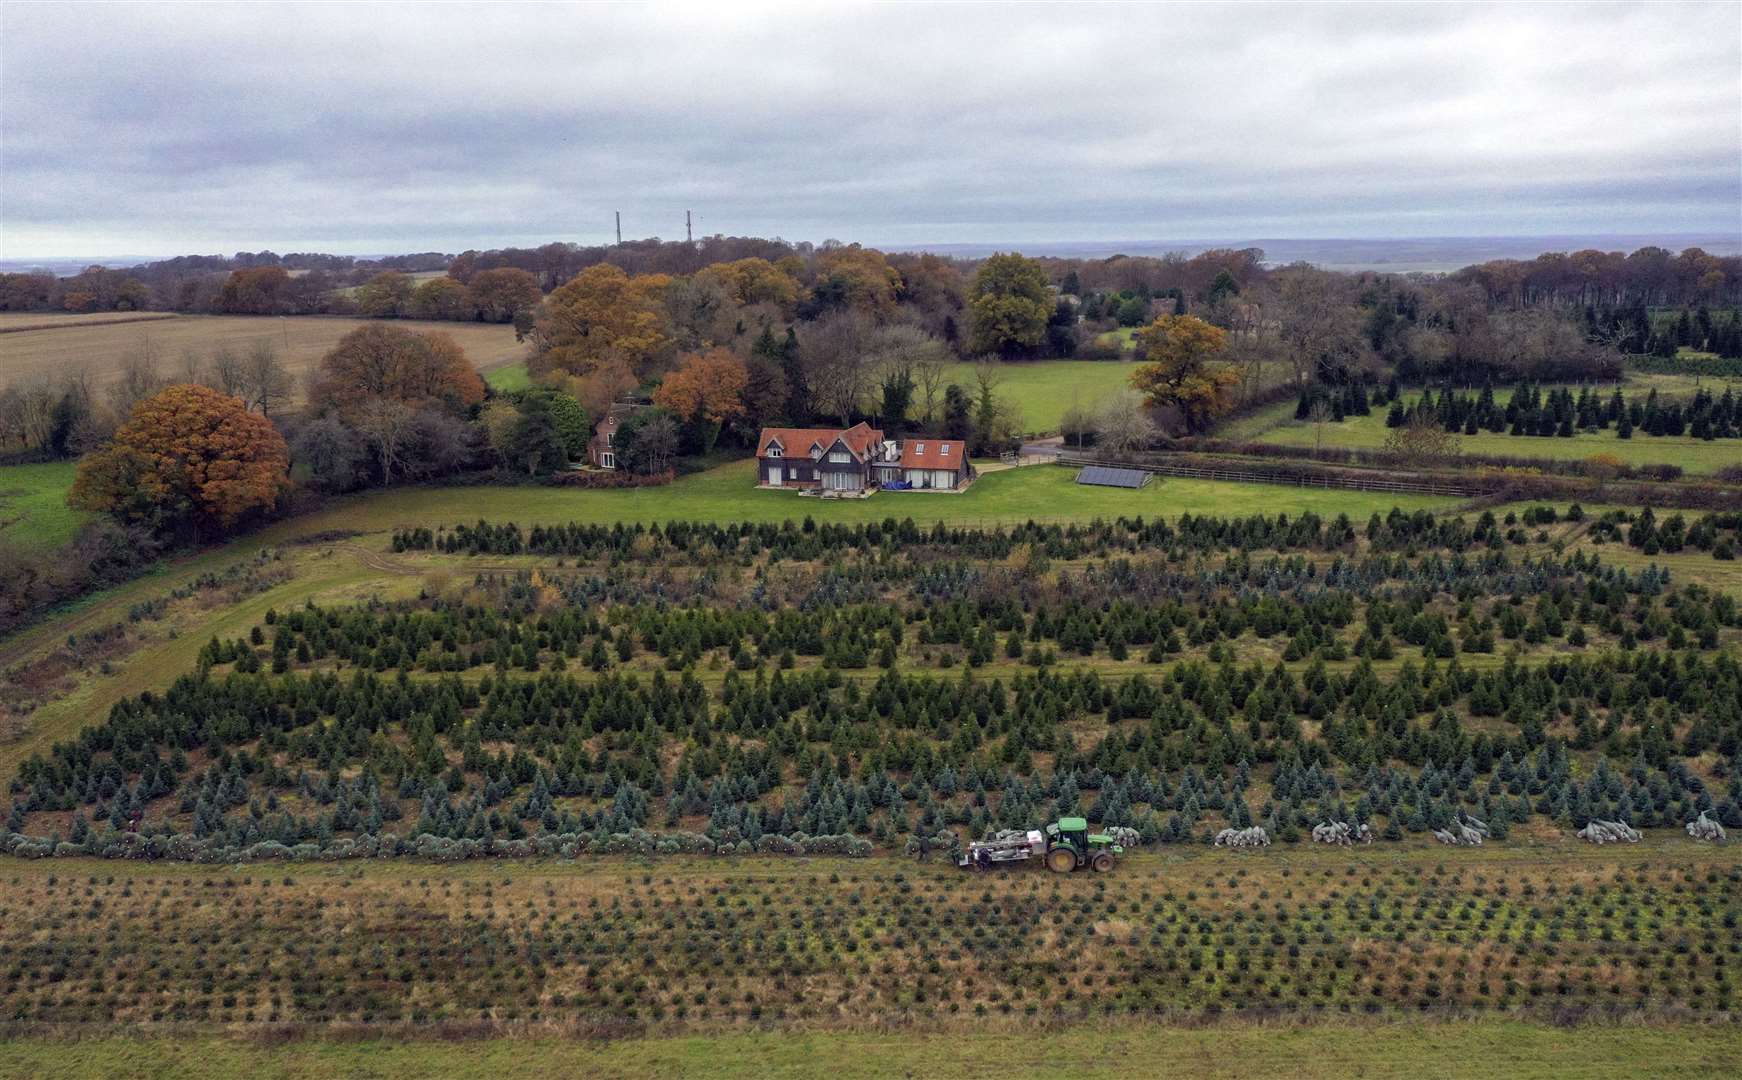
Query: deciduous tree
x=501 y=294
x=441 y=298
x=377 y=362
x=385 y=296
x=188 y=455
x=1178 y=349
x=709 y=386
x=1008 y=306
x=600 y=315
x=646 y=441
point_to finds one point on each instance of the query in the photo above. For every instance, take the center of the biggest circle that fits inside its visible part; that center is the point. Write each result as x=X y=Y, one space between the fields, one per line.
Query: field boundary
x=152 y=316
x=1252 y=474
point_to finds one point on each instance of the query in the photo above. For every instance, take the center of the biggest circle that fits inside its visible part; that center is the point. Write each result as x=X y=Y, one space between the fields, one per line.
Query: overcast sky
x=165 y=128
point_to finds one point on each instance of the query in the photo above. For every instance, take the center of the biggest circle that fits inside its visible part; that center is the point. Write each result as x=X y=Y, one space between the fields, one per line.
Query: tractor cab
x=1069 y=846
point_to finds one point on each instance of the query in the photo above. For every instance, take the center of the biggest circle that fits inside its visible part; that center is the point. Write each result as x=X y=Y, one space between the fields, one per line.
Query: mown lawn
x=728 y=494
x=33 y=505
x=1333 y=1049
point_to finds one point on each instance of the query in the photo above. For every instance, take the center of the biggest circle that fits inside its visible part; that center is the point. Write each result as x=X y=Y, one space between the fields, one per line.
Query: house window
x=774 y=451
x=919 y=448
x=840 y=456
x=607 y=460
x=608 y=436
x=944 y=450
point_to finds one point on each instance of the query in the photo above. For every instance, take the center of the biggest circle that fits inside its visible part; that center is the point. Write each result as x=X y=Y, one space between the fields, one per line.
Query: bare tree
x=193 y=369
x=31 y=411
x=837 y=358
x=385 y=422
x=226 y=373
x=1321 y=326
x=1123 y=423
x=139 y=379
x=903 y=352
x=1076 y=422
x=264 y=378
x=1319 y=414
x=930 y=376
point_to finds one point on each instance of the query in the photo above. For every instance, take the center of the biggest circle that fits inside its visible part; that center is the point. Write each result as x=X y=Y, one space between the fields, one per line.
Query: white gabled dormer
x=775 y=449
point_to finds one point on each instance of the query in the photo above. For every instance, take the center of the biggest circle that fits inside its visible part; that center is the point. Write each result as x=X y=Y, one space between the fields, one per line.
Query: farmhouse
x=859 y=459
x=601 y=451
x=826 y=459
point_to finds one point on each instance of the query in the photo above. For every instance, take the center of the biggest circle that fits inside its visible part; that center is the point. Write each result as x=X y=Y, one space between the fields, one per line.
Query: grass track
x=1481 y=1048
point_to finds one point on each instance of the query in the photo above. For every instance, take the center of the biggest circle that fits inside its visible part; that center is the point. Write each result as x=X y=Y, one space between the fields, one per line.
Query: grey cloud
x=367 y=128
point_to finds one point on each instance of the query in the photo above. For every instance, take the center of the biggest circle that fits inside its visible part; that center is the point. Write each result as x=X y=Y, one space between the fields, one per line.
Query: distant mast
x=619 y=216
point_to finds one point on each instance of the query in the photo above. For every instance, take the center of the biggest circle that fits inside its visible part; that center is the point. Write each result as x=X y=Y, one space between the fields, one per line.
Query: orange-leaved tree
x=705 y=391
x=188 y=457
x=379 y=361
x=1178 y=349
x=600 y=315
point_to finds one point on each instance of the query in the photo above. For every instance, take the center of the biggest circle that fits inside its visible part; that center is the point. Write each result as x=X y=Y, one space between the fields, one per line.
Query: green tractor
x=1069 y=846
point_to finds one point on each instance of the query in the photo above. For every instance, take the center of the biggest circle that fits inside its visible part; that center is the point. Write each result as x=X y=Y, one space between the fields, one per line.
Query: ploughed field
x=49 y=346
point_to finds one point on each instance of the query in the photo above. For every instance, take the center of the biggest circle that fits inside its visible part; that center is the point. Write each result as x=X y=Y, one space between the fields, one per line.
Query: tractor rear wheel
x=1102 y=862
x=1061 y=860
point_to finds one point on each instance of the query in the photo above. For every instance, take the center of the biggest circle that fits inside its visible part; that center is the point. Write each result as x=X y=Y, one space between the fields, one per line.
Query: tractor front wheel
x=1102 y=862
x=1061 y=860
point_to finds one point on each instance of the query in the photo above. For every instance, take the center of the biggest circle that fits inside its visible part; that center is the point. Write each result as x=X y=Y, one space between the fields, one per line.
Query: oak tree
x=1178 y=349
x=188 y=456
x=379 y=362
x=1008 y=306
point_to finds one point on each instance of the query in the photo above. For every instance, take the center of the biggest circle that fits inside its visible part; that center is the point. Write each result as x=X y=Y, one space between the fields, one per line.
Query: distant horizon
x=1469 y=247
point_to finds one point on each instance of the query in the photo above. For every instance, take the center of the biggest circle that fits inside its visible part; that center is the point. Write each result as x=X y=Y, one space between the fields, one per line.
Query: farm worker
x=924 y=847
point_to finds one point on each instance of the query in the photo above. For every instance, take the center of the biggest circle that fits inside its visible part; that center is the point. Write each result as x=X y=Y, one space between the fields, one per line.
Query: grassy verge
x=1484 y=1048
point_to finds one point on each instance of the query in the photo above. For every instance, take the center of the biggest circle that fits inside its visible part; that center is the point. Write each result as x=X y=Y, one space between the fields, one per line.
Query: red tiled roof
x=797 y=442
x=933 y=453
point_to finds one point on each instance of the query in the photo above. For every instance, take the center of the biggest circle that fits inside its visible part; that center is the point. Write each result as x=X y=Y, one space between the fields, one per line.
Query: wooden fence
x=1257 y=474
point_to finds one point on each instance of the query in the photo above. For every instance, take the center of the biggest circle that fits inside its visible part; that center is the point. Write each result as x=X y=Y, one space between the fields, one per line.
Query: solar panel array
x=1107 y=476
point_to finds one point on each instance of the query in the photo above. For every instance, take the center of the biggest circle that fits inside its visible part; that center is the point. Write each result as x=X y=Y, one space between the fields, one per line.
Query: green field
x=33 y=505
x=1044 y=389
x=1276 y=424
x=510 y=379
x=1236 y=1049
